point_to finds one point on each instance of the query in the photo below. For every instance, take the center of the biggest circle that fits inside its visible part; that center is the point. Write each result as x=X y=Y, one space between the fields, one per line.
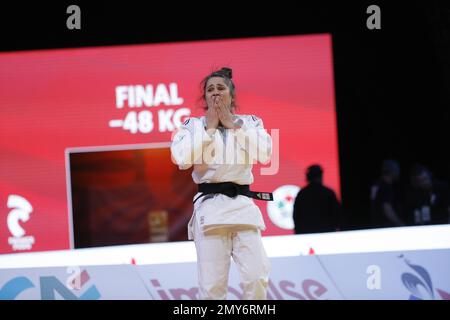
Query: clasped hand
x=220 y=113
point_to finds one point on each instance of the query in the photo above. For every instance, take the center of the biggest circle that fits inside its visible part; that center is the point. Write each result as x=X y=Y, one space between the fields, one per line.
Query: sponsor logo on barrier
x=49 y=286
x=420 y=284
x=309 y=289
x=20 y=211
x=374 y=280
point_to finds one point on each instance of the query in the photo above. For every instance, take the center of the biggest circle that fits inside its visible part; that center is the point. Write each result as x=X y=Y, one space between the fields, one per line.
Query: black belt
x=232 y=190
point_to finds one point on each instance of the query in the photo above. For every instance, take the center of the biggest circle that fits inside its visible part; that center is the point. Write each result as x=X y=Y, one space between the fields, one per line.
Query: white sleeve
x=188 y=143
x=254 y=139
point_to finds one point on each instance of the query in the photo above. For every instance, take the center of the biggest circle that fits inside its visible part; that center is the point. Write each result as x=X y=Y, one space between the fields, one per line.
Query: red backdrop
x=54 y=100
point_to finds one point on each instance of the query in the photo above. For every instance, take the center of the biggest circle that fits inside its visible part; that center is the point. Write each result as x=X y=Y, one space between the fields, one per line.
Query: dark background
x=392 y=85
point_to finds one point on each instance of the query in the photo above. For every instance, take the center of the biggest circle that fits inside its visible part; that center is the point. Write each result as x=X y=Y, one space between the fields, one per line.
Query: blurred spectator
x=385 y=200
x=427 y=199
x=316 y=208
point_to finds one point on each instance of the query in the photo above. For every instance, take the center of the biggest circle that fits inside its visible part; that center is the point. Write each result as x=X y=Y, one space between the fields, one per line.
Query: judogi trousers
x=216 y=247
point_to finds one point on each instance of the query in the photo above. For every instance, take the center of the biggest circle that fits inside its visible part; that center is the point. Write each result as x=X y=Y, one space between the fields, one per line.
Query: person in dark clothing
x=427 y=199
x=385 y=198
x=316 y=208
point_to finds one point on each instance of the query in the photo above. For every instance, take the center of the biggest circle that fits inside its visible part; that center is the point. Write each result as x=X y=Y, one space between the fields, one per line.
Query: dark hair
x=390 y=166
x=418 y=169
x=313 y=172
x=227 y=75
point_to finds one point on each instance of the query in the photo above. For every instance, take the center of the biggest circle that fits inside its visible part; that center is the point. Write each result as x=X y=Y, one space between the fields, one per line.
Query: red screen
x=54 y=101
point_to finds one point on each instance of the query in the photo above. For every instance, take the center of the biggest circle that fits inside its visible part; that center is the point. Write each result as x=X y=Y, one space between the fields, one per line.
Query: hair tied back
x=227 y=72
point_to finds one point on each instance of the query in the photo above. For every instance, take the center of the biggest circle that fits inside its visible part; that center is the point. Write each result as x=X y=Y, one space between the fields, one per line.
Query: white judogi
x=224 y=227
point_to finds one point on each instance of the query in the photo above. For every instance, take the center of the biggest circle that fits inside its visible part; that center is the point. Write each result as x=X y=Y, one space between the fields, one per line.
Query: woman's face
x=216 y=88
